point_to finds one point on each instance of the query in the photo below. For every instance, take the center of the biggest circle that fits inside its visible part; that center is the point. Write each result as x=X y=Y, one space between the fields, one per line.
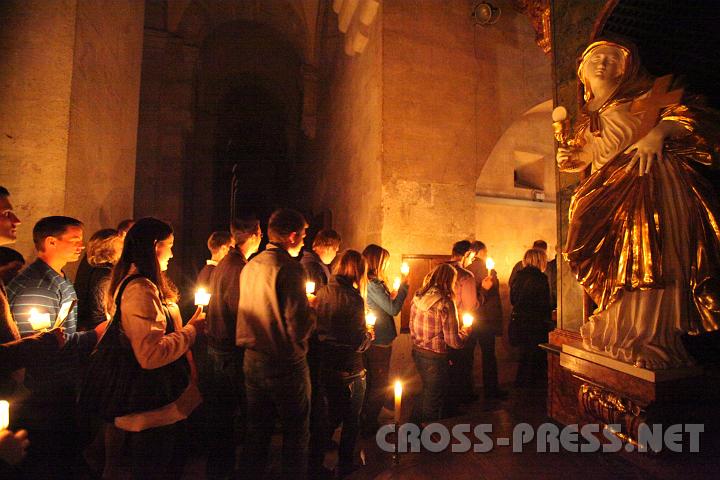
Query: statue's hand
x=568 y=160
x=647 y=149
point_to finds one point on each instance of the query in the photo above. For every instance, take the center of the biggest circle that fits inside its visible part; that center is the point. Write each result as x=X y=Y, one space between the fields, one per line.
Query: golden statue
x=644 y=233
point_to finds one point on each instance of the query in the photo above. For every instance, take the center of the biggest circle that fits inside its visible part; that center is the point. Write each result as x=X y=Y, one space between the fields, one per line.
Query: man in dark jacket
x=274 y=323
x=317 y=262
x=225 y=386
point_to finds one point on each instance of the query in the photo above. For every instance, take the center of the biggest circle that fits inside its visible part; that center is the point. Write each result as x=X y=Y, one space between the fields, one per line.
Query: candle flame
x=370 y=319
x=396 y=284
x=202 y=297
x=309 y=287
x=4 y=414
x=490 y=263
x=398 y=389
x=404 y=268
x=467 y=320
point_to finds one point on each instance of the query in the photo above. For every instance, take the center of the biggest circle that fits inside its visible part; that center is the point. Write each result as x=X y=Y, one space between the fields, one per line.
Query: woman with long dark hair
x=434 y=327
x=163 y=393
x=343 y=338
x=384 y=305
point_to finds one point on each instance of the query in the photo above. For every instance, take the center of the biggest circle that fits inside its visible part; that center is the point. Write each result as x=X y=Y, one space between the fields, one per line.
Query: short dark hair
x=8 y=255
x=243 y=228
x=218 y=239
x=125 y=225
x=4 y=192
x=283 y=222
x=541 y=244
x=477 y=246
x=327 y=238
x=53 y=226
x=461 y=248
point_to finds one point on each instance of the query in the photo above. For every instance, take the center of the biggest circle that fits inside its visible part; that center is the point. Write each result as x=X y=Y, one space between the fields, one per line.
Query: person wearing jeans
x=434 y=327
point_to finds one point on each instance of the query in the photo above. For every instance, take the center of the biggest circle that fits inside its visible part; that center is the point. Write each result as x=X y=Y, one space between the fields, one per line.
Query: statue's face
x=604 y=65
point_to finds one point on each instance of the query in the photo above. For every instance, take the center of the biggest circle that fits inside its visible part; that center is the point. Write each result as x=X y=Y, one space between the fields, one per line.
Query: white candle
x=398 y=400
x=4 y=414
x=39 y=321
x=404 y=268
x=396 y=284
x=202 y=297
x=467 y=320
x=370 y=319
x=490 y=263
x=309 y=287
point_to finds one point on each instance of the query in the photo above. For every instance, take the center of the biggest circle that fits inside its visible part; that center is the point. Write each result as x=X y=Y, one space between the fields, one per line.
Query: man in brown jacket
x=274 y=323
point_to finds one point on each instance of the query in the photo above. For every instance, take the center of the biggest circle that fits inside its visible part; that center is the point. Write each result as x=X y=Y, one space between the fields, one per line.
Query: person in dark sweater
x=103 y=251
x=317 y=261
x=11 y=262
x=343 y=337
x=384 y=305
x=224 y=389
x=274 y=323
x=530 y=298
x=219 y=243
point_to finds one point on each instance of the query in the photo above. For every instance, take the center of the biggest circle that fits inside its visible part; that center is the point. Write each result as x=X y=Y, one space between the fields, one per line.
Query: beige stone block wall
x=37 y=40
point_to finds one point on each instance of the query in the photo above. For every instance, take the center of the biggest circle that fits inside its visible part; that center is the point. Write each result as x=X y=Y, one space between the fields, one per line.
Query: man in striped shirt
x=43 y=286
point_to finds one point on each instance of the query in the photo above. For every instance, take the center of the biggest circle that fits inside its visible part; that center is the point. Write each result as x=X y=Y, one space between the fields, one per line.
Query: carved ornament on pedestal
x=354 y=20
x=539 y=13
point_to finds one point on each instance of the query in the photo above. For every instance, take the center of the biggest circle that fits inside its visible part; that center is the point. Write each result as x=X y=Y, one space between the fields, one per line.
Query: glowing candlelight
x=202 y=297
x=309 y=287
x=396 y=284
x=4 y=414
x=39 y=321
x=398 y=400
x=490 y=263
x=467 y=320
x=370 y=319
x=404 y=268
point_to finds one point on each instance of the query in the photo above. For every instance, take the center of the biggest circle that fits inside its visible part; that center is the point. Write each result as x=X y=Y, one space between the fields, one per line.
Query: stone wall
x=68 y=107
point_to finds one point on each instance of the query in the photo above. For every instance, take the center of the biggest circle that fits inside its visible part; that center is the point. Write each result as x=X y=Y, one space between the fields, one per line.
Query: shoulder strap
x=121 y=289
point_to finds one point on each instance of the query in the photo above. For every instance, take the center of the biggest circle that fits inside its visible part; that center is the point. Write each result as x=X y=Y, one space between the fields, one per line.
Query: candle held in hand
x=202 y=297
x=490 y=264
x=370 y=319
x=4 y=414
x=398 y=400
x=404 y=268
x=309 y=287
x=39 y=321
x=396 y=284
x=467 y=320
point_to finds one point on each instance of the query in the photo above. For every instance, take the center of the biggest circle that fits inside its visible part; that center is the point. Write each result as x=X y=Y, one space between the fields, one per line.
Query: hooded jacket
x=434 y=323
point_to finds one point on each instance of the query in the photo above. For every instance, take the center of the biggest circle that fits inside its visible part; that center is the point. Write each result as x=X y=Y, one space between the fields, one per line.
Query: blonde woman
x=434 y=327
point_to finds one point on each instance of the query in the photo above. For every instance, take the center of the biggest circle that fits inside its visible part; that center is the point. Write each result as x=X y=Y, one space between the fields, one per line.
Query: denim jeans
x=345 y=400
x=225 y=407
x=159 y=453
x=434 y=372
x=377 y=362
x=276 y=387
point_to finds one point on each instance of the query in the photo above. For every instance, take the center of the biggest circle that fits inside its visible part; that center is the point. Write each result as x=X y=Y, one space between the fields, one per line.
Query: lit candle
x=398 y=400
x=490 y=263
x=370 y=319
x=4 y=414
x=404 y=268
x=396 y=284
x=39 y=321
x=467 y=320
x=202 y=297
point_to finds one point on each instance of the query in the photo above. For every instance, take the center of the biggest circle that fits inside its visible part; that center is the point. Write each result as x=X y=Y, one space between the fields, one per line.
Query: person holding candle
x=317 y=261
x=489 y=323
x=461 y=360
x=225 y=384
x=538 y=245
x=48 y=413
x=343 y=337
x=434 y=329
x=274 y=324
x=385 y=305
x=164 y=392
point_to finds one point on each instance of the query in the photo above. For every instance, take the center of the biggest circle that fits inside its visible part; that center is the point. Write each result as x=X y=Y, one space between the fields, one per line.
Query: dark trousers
x=377 y=363
x=158 y=453
x=345 y=397
x=532 y=370
x=225 y=406
x=274 y=388
x=434 y=372
x=50 y=417
x=460 y=371
x=318 y=410
x=486 y=341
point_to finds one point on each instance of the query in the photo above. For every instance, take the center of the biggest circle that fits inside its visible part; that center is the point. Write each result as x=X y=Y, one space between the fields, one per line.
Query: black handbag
x=115 y=384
